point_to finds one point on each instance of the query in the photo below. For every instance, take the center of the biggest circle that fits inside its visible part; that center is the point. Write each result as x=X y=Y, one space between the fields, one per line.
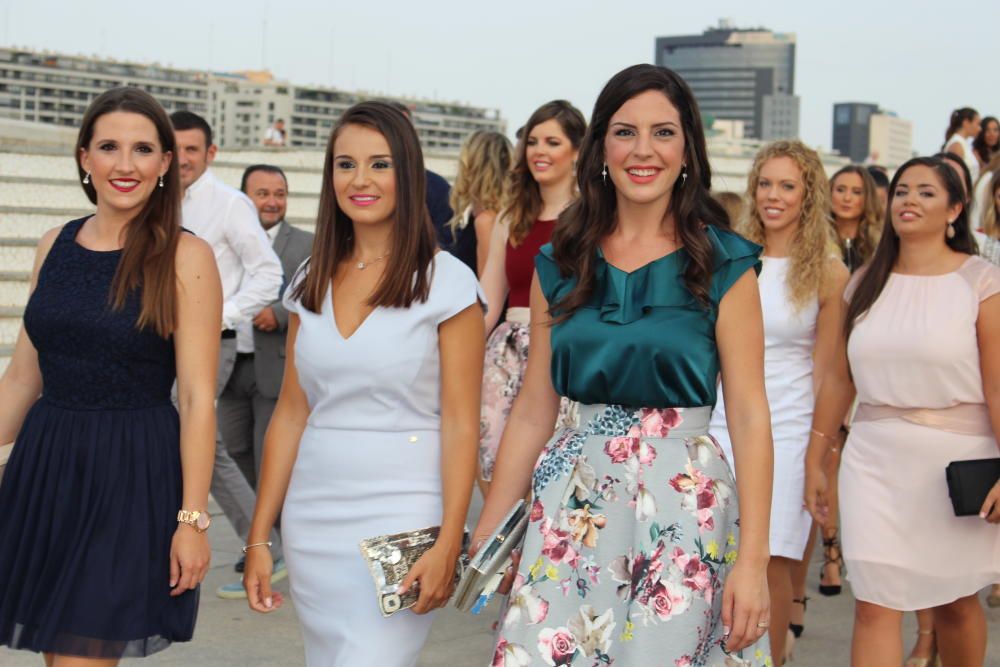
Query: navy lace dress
x=89 y=500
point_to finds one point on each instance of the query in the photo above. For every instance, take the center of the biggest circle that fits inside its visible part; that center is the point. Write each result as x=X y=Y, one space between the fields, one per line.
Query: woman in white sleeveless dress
x=963 y=127
x=801 y=283
x=376 y=427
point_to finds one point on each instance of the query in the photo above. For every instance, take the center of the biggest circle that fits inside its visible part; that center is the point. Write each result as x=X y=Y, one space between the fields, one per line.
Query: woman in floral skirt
x=643 y=297
x=541 y=186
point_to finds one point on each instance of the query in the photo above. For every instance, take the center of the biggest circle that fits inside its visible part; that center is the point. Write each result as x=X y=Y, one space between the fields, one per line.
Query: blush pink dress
x=915 y=361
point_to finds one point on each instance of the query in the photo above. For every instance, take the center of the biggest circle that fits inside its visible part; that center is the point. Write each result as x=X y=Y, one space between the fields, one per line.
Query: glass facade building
x=746 y=75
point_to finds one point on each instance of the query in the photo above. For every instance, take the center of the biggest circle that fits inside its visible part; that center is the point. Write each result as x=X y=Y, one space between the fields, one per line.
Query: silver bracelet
x=257 y=544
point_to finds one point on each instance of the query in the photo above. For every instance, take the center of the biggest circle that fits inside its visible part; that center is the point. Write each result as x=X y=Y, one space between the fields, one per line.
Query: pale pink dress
x=917 y=348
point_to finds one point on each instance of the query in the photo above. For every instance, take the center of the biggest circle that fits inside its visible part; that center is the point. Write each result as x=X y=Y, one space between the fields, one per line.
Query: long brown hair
x=149 y=254
x=990 y=217
x=591 y=217
x=413 y=239
x=870 y=225
x=525 y=201
x=876 y=275
x=813 y=244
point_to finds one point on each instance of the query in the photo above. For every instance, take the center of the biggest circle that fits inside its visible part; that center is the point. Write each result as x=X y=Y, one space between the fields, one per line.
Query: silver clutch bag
x=487 y=568
x=389 y=559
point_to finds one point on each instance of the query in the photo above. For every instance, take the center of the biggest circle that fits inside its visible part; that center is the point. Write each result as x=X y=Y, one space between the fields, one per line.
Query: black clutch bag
x=969 y=482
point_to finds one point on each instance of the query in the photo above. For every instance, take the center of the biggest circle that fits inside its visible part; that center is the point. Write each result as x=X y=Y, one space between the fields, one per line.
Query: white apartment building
x=890 y=139
x=55 y=89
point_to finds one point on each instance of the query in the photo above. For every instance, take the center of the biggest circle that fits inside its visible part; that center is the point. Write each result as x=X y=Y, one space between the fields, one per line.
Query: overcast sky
x=919 y=58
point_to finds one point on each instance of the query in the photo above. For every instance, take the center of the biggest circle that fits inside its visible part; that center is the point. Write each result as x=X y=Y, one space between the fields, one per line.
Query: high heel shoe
x=934 y=660
x=796 y=628
x=830 y=546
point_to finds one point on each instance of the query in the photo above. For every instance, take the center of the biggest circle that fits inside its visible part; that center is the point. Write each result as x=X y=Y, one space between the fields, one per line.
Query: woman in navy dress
x=102 y=542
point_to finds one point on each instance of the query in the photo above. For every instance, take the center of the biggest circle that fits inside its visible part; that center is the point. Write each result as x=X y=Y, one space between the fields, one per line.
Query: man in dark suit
x=246 y=404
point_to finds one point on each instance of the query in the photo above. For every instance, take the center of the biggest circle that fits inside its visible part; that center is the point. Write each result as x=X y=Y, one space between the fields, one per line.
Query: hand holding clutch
x=488 y=566
x=433 y=579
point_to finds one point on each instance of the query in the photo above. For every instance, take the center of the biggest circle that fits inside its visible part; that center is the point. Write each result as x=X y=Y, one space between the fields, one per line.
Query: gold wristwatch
x=200 y=521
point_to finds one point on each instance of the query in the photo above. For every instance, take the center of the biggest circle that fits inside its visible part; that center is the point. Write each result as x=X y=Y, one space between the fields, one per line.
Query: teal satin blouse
x=643 y=340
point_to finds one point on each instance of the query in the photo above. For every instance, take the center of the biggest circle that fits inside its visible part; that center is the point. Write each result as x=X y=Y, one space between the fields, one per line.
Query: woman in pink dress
x=921 y=350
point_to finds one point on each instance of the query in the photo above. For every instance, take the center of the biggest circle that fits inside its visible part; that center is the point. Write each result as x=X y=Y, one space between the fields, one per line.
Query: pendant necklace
x=363 y=265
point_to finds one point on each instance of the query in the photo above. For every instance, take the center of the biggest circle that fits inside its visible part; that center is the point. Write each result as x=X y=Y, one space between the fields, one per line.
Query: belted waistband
x=680 y=422
x=963 y=418
x=519 y=315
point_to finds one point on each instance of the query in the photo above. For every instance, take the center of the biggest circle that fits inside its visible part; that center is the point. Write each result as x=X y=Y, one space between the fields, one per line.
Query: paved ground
x=230 y=634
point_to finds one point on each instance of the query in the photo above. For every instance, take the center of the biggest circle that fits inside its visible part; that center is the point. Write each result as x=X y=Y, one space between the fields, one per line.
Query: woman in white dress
x=801 y=283
x=377 y=423
x=963 y=127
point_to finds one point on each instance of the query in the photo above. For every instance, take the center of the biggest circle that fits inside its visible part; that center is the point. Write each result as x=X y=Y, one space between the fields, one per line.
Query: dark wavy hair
x=413 y=239
x=148 y=257
x=957 y=119
x=524 y=200
x=979 y=146
x=591 y=217
x=876 y=275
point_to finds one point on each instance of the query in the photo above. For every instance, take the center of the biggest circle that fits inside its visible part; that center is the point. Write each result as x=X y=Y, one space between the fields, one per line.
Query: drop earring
x=684 y=175
x=86 y=179
x=950 y=232
x=161 y=180
x=604 y=173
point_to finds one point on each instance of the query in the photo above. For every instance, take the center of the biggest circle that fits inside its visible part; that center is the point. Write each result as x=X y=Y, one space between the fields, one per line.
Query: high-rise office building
x=851 y=122
x=56 y=89
x=743 y=74
x=863 y=132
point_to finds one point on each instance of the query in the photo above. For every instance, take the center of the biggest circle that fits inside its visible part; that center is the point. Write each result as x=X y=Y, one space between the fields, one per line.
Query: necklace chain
x=363 y=265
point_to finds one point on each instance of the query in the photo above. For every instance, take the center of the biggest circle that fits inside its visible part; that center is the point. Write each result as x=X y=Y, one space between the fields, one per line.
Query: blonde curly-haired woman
x=801 y=283
x=478 y=195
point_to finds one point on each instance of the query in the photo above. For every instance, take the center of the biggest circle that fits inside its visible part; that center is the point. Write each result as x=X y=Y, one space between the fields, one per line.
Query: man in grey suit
x=248 y=400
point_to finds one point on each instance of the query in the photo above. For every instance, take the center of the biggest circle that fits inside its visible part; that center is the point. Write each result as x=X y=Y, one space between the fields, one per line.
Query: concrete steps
x=42 y=191
x=14 y=287
x=10 y=324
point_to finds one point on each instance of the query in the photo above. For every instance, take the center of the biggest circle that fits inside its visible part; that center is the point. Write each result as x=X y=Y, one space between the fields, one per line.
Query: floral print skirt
x=503 y=375
x=633 y=530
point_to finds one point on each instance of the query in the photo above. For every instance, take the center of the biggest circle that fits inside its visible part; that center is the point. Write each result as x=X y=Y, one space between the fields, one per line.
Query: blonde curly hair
x=483 y=169
x=814 y=244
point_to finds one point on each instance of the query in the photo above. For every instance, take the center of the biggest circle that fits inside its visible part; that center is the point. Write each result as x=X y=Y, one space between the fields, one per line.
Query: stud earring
x=161 y=180
x=604 y=173
x=950 y=232
x=86 y=179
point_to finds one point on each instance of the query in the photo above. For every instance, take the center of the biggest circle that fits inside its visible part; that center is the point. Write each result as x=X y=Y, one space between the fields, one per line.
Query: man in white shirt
x=251 y=279
x=249 y=398
x=275 y=134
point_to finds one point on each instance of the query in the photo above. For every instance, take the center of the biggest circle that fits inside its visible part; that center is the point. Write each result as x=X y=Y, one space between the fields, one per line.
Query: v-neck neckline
x=336 y=326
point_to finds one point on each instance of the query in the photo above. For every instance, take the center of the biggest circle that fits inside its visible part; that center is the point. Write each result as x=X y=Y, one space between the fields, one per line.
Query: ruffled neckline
x=624 y=297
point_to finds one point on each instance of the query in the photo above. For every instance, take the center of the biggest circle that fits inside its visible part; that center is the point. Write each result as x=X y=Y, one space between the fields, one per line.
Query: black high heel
x=831 y=545
x=797 y=629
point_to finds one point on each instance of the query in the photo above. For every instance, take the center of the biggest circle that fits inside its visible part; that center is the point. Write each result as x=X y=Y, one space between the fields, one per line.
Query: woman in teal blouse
x=640 y=301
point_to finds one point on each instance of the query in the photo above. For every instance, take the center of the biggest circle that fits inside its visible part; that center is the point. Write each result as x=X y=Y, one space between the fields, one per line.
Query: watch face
x=203 y=521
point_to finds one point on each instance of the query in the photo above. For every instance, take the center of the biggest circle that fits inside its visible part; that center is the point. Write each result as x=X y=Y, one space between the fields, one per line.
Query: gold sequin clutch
x=389 y=559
